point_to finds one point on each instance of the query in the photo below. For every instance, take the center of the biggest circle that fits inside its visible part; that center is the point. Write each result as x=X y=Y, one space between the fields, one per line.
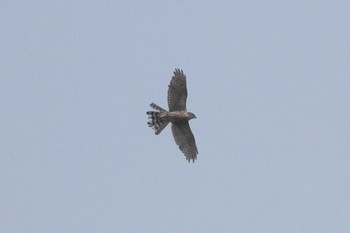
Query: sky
x=268 y=81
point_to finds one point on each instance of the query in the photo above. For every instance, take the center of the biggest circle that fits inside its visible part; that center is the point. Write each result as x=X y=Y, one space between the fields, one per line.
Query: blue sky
x=269 y=84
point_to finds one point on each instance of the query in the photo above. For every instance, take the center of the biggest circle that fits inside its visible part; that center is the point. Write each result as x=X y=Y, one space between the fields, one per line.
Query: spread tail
x=157 y=119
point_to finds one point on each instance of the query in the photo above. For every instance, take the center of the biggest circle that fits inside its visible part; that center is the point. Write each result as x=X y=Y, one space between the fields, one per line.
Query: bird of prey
x=177 y=115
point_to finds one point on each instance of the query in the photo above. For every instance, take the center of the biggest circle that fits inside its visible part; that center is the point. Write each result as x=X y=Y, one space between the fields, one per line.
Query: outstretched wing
x=177 y=92
x=185 y=140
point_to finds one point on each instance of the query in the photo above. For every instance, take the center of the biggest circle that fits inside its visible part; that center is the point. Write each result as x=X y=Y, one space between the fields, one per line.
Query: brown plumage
x=177 y=115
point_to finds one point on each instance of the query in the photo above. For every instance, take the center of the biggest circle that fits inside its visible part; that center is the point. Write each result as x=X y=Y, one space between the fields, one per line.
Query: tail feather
x=156 y=107
x=157 y=119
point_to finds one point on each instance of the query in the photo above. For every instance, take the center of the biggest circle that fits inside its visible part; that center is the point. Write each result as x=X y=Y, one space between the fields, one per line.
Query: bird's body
x=177 y=115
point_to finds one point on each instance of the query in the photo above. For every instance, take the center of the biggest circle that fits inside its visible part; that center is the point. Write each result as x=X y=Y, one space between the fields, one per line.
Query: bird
x=177 y=115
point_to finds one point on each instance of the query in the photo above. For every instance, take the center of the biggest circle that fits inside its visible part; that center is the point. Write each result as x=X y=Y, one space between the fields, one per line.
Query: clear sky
x=269 y=82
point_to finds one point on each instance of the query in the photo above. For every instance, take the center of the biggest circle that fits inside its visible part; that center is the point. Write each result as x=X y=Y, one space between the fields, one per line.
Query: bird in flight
x=177 y=115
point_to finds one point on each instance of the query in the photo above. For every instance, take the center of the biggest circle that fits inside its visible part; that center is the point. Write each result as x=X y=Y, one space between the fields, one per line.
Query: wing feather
x=177 y=92
x=184 y=138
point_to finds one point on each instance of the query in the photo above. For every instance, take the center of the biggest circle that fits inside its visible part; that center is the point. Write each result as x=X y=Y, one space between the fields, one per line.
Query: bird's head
x=191 y=115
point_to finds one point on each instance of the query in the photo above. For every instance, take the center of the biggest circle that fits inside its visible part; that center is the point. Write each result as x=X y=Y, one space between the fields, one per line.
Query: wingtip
x=178 y=71
x=189 y=160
